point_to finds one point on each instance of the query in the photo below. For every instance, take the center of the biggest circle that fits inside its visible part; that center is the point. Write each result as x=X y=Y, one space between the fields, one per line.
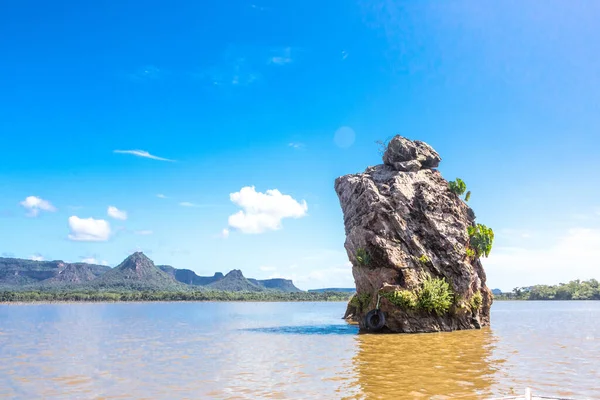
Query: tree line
x=126 y=295
x=574 y=290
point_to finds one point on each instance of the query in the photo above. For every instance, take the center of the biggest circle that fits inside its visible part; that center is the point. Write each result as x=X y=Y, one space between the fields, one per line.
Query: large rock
x=409 y=226
x=405 y=155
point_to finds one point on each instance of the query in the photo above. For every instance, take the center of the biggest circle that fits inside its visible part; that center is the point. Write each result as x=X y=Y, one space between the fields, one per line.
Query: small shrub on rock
x=458 y=187
x=435 y=296
x=404 y=299
x=482 y=239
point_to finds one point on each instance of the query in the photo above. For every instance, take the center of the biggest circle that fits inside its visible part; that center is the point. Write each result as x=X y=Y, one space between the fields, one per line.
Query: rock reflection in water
x=435 y=365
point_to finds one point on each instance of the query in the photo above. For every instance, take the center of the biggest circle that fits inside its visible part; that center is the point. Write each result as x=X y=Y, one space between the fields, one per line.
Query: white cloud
x=142 y=153
x=267 y=268
x=144 y=232
x=188 y=204
x=161 y=196
x=35 y=204
x=89 y=260
x=104 y=262
x=88 y=229
x=225 y=233
x=263 y=212
x=283 y=57
x=115 y=213
x=36 y=257
x=573 y=255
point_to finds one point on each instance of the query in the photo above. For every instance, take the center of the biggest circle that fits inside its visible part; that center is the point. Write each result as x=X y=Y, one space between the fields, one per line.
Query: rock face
x=403 y=225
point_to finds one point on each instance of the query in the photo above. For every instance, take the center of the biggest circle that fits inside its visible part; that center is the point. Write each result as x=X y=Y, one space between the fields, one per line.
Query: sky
x=209 y=134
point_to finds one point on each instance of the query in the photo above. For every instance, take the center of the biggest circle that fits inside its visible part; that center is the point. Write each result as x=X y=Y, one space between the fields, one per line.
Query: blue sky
x=251 y=94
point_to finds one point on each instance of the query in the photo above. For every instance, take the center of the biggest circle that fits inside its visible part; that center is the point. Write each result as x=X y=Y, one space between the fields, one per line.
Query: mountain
x=189 y=277
x=72 y=273
x=283 y=285
x=137 y=272
x=235 y=281
x=338 y=290
x=20 y=272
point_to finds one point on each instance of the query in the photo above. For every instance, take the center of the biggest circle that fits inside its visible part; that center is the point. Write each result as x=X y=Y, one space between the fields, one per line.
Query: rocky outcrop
x=404 y=226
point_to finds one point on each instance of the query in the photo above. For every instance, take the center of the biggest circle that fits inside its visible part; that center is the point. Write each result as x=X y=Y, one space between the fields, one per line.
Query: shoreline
x=37 y=302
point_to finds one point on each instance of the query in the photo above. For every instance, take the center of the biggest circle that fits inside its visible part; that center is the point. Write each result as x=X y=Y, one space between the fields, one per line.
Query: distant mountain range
x=136 y=272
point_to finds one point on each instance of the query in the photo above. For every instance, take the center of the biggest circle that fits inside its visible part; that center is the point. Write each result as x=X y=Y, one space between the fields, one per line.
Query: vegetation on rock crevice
x=434 y=296
x=360 y=300
x=476 y=301
x=363 y=257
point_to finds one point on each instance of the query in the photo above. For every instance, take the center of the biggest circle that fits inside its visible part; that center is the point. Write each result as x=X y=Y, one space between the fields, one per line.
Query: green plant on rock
x=470 y=252
x=363 y=257
x=468 y=196
x=435 y=296
x=404 y=299
x=458 y=187
x=360 y=300
x=481 y=239
x=424 y=259
x=476 y=301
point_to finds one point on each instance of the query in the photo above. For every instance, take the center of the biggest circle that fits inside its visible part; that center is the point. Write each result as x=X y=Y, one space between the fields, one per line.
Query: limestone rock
x=401 y=150
x=398 y=218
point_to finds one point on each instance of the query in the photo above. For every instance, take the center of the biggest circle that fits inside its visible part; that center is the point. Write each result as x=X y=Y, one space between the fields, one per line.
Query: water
x=289 y=351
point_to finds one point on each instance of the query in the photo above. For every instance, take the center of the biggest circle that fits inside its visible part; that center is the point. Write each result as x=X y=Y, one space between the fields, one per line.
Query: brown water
x=289 y=350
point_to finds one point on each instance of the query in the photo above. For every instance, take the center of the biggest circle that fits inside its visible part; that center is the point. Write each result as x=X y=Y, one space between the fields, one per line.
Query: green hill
x=282 y=285
x=137 y=272
x=189 y=277
x=19 y=272
x=235 y=281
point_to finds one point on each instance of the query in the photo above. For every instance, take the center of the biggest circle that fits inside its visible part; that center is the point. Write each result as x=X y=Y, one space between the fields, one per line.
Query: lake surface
x=289 y=351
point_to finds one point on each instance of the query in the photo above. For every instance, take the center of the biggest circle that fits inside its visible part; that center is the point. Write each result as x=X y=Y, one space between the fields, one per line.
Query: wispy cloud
x=258 y=8
x=145 y=232
x=115 y=213
x=197 y=205
x=35 y=204
x=161 y=196
x=557 y=259
x=146 y=73
x=282 y=56
x=142 y=153
x=234 y=69
x=266 y=268
x=296 y=145
x=344 y=54
x=36 y=257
